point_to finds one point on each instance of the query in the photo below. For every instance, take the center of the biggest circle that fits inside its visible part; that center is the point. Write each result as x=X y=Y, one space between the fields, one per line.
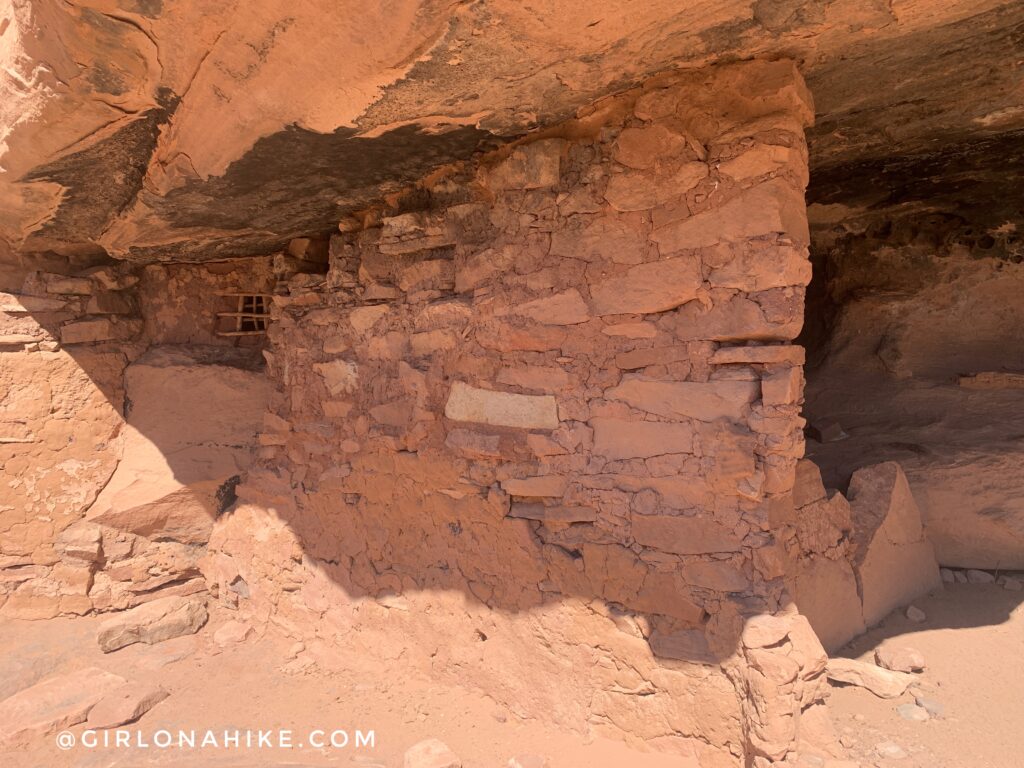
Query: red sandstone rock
x=152 y=623
x=652 y=287
x=620 y=439
x=55 y=703
x=881 y=682
x=485 y=406
x=431 y=753
x=683 y=535
x=706 y=401
x=125 y=704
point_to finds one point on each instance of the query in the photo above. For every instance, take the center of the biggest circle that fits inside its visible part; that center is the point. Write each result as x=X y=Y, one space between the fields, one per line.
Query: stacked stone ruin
x=532 y=425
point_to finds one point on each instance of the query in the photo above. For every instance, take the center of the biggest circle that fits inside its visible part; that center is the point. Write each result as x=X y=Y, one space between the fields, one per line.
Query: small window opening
x=249 y=318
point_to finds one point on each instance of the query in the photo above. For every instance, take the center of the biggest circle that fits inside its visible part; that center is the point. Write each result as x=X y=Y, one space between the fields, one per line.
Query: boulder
x=899 y=658
x=894 y=560
x=191 y=422
x=152 y=622
x=56 y=703
x=881 y=682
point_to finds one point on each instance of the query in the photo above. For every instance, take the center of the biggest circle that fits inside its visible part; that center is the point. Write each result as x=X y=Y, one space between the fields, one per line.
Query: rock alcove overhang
x=890 y=80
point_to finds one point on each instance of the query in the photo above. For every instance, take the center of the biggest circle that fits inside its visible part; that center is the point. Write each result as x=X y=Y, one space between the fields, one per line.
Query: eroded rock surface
x=186 y=132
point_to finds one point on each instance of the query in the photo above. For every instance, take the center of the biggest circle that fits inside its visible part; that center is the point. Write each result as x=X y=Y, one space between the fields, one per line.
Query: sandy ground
x=973 y=644
x=253 y=686
x=972 y=640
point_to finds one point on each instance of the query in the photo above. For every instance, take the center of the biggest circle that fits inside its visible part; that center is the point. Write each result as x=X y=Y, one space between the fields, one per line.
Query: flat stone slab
x=500 y=409
x=53 y=704
x=152 y=623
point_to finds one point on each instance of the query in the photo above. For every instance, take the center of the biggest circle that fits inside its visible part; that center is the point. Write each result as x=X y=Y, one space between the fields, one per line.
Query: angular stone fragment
x=894 y=561
x=825 y=591
x=705 y=401
x=565 y=308
x=542 y=377
x=764 y=630
x=899 y=658
x=340 y=376
x=364 y=318
x=775 y=206
x=81 y=541
x=881 y=682
x=500 y=409
x=57 y=702
x=759 y=160
x=739 y=319
x=124 y=705
x=684 y=535
x=762 y=353
x=541 y=485
x=685 y=645
x=15 y=303
x=436 y=274
x=431 y=753
x=530 y=166
x=86 y=331
x=783 y=388
x=642 y=148
x=152 y=623
x=631 y=330
x=599 y=239
x=620 y=439
x=752 y=266
x=641 y=358
x=807 y=485
x=641 y=191
x=556 y=514
x=719 y=575
x=474 y=445
x=656 y=286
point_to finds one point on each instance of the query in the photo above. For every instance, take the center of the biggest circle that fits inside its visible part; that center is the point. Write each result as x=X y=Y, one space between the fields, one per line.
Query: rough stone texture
x=851 y=563
x=124 y=705
x=914 y=350
x=115 y=132
x=881 y=682
x=152 y=623
x=56 y=703
x=431 y=753
x=192 y=421
x=894 y=561
x=560 y=467
x=500 y=409
x=899 y=658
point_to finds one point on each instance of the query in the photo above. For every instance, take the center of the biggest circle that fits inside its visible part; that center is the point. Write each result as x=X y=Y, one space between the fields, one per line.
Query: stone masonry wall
x=124 y=422
x=532 y=429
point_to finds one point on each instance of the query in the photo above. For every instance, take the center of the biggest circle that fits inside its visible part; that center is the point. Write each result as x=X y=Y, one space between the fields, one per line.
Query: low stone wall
x=533 y=427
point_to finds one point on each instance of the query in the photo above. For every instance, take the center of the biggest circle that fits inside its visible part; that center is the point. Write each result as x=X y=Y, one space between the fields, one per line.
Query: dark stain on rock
x=978 y=180
x=297 y=182
x=149 y=8
x=102 y=180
